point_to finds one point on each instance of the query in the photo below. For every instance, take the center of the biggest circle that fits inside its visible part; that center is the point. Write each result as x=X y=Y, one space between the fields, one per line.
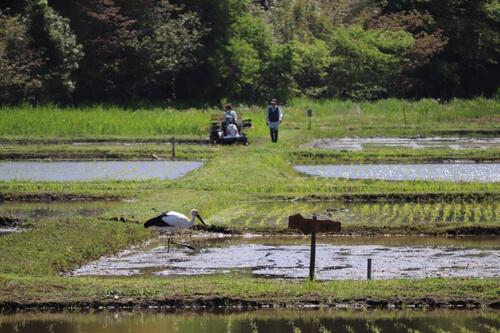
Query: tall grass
x=100 y=121
x=396 y=117
x=331 y=118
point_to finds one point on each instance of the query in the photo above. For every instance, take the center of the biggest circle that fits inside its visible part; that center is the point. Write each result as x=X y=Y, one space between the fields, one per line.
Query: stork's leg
x=168 y=243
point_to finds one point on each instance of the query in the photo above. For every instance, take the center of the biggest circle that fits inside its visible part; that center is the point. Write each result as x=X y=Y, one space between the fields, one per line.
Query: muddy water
x=275 y=214
x=259 y=321
x=356 y=144
x=9 y=230
x=96 y=170
x=22 y=214
x=55 y=210
x=453 y=172
x=342 y=258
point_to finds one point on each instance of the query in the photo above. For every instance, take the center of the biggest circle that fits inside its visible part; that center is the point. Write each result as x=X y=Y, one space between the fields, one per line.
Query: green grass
x=393 y=117
x=18 y=123
x=99 y=121
x=58 y=246
x=93 y=190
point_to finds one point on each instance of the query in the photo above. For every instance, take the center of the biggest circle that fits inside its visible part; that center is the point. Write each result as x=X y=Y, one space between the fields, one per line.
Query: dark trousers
x=274 y=134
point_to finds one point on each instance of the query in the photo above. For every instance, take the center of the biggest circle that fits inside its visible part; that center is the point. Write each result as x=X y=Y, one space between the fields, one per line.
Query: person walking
x=274 y=116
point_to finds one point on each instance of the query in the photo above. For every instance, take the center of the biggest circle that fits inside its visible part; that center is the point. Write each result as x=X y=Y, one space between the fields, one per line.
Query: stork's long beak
x=199 y=218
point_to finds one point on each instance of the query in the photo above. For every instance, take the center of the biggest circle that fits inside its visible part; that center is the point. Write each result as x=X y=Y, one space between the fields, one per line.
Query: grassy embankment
x=230 y=290
x=231 y=175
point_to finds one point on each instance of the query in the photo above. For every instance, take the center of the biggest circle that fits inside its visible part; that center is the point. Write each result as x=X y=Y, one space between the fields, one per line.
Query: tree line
x=126 y=51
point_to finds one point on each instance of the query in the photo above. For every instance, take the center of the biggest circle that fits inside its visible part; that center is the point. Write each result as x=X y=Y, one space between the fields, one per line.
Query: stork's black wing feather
x=157 y=222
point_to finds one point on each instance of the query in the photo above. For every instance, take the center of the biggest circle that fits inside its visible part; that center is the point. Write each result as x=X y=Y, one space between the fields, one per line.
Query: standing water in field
x=55 y=210
x=97 y=170
x=258 y=321
x=453 y=172
x=355 y=144
x=336 y=259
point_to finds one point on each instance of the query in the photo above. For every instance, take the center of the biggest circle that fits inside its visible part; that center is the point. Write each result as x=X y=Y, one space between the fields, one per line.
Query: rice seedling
x=432 y=217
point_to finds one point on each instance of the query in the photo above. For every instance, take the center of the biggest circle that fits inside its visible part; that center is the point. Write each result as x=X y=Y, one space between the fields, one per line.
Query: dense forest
x=128 y=51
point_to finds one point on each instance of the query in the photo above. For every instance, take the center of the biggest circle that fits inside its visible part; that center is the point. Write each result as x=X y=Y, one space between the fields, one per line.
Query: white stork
x=172 y=222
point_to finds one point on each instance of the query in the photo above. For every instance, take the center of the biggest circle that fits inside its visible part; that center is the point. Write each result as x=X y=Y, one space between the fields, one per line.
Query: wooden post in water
x=173 y=147
x=312 y=262
x=369 y=270
x=308 y=226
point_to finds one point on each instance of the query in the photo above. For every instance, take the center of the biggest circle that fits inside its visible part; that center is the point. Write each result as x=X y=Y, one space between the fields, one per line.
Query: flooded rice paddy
x=259 y=321
x=357 y=144
x=340 y=258
x=55 y=210
x=18 y=216
x=275 y=214
x=95 y=170
x=453 y=172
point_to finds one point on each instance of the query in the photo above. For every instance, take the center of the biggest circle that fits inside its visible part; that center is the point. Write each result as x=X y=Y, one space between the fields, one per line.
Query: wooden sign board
x=315 y=225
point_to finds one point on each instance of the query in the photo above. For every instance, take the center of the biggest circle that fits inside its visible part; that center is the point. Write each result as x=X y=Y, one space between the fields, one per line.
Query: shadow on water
x=258 y=321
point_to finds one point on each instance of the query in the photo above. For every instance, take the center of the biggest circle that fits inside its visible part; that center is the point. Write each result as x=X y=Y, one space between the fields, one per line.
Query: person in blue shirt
x=274 y=116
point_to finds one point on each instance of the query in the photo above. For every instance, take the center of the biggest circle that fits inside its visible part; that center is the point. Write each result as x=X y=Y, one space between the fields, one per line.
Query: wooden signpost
x=173 y=147
x=309 y=115
x=312 y=226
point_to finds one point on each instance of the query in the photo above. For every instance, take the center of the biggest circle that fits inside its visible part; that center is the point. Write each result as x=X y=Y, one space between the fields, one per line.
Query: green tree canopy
x=366 y=64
